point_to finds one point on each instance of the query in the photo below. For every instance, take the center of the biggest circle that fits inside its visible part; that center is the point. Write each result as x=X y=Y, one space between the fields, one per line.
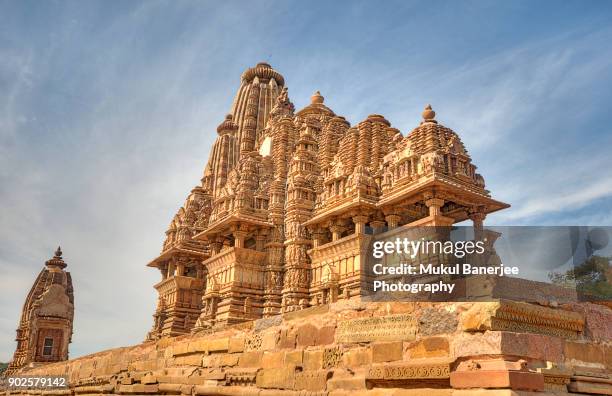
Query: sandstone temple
x=45 y=328
x=263 y=274
x=289 y=199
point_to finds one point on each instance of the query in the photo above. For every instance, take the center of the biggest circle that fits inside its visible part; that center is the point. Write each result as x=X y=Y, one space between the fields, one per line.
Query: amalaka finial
x=317 y=98
x=428 y=114
x=56 y=261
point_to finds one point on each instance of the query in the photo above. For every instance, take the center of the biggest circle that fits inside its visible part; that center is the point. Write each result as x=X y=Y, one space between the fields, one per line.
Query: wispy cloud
x=577 y=199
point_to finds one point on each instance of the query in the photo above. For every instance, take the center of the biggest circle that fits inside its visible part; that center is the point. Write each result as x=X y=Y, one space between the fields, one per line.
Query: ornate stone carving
x=253 y=342
x=516 y=316
x=523 y=317
x=332 y=357
x=241 y=377
x=377 y=328
x=409 y=371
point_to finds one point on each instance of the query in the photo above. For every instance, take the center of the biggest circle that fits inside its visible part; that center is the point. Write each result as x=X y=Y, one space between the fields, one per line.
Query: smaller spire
x=378 y=118
x=429 y=114
x=227 y=125
x=317 y=98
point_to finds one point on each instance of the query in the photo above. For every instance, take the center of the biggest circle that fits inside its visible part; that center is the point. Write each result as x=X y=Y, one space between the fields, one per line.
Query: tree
x=592 y=278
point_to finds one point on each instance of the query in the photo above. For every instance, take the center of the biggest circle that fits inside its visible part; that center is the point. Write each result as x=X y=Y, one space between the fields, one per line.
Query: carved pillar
x=435 y=217
x=216 y=245
x=360 y=224
x=434 y=205
x=273 y=271
x=210 y=307
x=260 y=241
x=377 y=226
x=210 y=300
x=318 y=236
x=171 y=269
x=392 y=220
x=180 y=269
x=477 y=216
x=336 y=230
x=333 y=293
x=239 y=237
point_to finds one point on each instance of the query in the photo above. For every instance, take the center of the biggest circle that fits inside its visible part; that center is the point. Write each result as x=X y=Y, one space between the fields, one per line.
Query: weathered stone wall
x=367 y=349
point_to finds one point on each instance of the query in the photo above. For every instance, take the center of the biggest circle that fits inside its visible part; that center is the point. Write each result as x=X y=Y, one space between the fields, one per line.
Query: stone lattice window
x=48 y=347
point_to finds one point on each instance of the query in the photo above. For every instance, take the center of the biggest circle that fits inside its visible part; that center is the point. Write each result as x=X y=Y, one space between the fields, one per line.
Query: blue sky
x=108 y=110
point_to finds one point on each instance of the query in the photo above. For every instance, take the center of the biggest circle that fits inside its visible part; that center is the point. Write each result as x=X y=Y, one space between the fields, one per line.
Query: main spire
x=240 y=132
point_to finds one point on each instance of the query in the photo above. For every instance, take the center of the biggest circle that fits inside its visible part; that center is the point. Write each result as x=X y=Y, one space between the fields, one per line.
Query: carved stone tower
x=45 y=328
x=290 y=200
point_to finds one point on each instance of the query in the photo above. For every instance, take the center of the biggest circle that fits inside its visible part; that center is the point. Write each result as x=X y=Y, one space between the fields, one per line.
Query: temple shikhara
x=45 y=328
x=289 y=199
x=263 y=273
